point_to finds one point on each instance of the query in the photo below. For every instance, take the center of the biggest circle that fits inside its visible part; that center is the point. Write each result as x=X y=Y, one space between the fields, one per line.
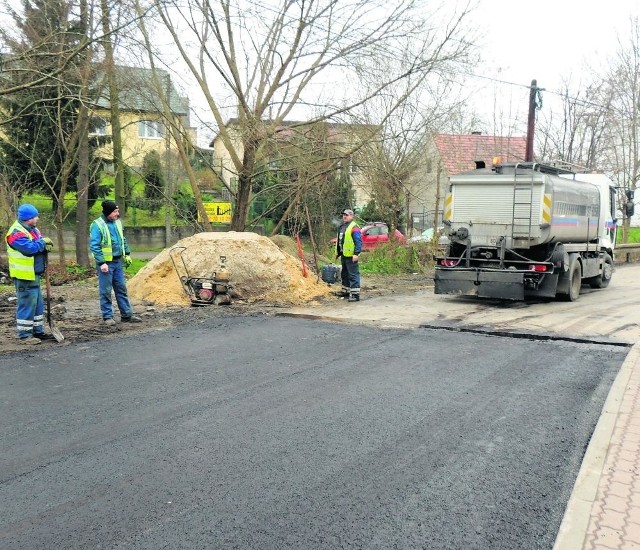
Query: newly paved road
x=280 y=433
x=605 y=314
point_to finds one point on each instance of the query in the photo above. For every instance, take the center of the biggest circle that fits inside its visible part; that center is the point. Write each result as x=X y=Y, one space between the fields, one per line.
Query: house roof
x=137 y=92
x=335 y=131
x=460 y=152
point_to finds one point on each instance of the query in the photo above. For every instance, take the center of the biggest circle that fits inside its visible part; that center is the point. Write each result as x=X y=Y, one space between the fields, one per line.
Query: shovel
x=54 y=331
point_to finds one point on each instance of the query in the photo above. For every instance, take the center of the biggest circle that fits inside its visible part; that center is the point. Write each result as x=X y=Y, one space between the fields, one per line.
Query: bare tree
x=598 y=126
x=176 y=130
x=20 y=60
x=109 y=14
x=40 y=132
x=577 y=134
x=47 y=94
x=306 y=168
x=264 y=60
x=83 y=176
x=622 y=97
x=396 y=163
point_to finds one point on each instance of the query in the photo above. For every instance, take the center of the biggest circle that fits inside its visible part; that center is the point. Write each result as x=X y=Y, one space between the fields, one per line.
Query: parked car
x=429 y=234
x=375 y=233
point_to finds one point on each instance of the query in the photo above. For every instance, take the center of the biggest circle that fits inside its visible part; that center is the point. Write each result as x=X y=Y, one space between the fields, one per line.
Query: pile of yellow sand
x=258 y=269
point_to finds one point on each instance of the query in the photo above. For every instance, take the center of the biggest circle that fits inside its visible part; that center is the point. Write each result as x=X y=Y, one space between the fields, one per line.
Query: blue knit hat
x=26 y=212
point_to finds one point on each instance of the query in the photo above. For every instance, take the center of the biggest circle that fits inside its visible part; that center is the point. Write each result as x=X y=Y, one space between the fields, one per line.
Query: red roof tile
x=459 y=152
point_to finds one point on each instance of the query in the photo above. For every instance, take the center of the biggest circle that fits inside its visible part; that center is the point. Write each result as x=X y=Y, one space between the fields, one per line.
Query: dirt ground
x=76 y=313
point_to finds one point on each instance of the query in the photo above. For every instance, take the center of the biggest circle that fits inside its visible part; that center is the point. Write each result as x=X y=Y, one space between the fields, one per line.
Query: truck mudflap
x=504 y=285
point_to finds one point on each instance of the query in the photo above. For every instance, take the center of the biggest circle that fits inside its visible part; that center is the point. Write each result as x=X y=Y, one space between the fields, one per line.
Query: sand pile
x=259 y=271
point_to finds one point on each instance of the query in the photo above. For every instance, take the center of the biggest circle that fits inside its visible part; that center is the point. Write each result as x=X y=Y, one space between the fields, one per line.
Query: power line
x=563 y=95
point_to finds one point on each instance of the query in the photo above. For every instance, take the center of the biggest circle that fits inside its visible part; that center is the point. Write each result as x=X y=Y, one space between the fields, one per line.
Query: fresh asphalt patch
x=263 y=432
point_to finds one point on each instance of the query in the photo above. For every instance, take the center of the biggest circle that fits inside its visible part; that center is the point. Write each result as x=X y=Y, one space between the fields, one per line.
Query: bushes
x=154 y=181
x=185 y=207
x=393 y=258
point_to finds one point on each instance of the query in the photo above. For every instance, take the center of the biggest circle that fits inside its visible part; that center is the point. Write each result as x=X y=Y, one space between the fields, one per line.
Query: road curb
x=575 y=523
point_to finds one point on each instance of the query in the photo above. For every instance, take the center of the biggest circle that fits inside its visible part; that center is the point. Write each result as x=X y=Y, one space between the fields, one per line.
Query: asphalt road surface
x=610 y=314
x=258 y=432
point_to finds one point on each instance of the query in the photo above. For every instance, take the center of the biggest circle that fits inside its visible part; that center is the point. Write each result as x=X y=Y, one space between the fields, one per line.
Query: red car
x=375 y=233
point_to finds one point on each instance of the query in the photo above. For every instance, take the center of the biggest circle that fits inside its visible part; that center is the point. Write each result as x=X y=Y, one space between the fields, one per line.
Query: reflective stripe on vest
x=348 y=246
x=105 y=241
x=20 y=266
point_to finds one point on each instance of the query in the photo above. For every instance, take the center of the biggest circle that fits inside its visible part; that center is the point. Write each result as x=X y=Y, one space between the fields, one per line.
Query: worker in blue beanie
x=26 y=253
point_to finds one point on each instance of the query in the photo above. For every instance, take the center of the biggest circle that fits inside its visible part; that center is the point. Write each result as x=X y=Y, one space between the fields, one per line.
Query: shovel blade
x=57 y=334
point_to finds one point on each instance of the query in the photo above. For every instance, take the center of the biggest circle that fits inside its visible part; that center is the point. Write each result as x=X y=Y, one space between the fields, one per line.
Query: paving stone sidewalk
x=604 y=509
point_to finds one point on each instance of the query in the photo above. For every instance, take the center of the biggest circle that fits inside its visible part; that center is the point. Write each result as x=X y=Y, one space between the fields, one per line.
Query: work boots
x=29 y=341
x=354 y=297
x=131 y=319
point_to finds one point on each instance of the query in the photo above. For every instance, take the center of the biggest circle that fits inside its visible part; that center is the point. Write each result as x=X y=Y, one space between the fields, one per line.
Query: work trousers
x=113 y=281
x=350 y=275
x=30 y=308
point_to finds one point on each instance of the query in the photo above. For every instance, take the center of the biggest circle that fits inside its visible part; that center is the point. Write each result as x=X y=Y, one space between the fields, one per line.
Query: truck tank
x=525 y=206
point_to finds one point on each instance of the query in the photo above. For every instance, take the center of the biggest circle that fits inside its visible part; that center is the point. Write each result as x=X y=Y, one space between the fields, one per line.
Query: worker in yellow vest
x=111 y=252
x=26 y=253
x=348 y=247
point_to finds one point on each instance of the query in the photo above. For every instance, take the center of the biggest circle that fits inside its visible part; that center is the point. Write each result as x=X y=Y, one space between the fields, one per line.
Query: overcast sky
x=545 y=40
x=552 y=37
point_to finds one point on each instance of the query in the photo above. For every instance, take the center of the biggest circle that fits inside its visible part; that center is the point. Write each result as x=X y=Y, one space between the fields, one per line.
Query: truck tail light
x=449 y=263
x=537 y=267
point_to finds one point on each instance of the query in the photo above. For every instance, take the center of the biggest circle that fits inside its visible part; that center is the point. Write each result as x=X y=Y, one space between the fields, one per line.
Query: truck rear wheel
x=603 y=280
x=575 y=282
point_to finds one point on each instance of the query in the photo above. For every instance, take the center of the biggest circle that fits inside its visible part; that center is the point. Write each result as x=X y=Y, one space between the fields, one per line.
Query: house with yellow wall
x=142 y=119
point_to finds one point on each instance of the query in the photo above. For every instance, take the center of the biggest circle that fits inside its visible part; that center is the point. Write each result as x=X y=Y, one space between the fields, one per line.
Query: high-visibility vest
x=20 y=266
x=348 y=245
x=105 y=241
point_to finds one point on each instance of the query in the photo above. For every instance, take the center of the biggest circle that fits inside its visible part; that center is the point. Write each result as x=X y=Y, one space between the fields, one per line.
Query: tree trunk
x=436 y=222
x=114 y=104
x=59 y=220
x=82 y=208
x=407 y=206
x=243 y=196
x=626 y=224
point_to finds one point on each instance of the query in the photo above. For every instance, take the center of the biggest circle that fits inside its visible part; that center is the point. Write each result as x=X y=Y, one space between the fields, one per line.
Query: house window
x=353 y=167
x=150 y=129
x=97 y=126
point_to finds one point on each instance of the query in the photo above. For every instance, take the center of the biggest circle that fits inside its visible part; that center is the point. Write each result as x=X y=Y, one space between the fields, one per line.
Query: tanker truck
x=526 y=230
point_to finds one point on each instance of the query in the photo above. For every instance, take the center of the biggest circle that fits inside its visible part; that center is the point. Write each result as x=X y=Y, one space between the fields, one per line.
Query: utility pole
x=531 y=121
